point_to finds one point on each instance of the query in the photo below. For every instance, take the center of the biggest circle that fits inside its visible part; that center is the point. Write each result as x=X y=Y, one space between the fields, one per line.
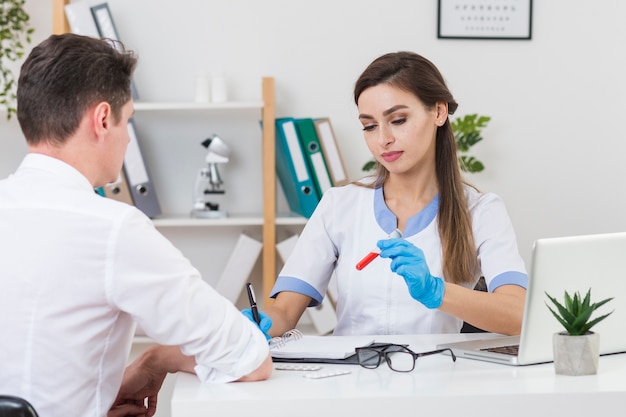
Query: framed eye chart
x=484 y=19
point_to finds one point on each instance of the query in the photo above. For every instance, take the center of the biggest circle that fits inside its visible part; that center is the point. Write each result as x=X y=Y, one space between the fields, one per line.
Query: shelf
x=169 y=106
x=232 y=220
x=290 y=220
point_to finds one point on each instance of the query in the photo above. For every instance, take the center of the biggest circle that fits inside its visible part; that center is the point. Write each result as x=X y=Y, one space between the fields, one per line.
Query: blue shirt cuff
x=509 y=278
x=296 y=285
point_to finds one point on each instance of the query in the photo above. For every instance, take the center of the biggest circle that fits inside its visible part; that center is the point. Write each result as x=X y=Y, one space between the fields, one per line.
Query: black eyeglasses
x=399 y=358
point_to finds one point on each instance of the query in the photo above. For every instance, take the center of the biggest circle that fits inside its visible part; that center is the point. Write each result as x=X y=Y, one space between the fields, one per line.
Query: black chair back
x=11 y=406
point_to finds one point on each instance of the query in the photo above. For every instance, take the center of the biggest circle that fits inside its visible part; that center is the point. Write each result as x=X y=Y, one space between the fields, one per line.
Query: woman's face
x=398 y=129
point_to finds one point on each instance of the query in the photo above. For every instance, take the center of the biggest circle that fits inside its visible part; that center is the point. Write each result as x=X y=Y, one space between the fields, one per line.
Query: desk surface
x=437 y=385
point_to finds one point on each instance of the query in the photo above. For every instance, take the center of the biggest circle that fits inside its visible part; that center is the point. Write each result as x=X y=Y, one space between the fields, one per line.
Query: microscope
x=208 y=190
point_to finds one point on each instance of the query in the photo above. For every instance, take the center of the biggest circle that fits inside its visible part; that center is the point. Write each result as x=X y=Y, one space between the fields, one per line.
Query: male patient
x=78 y=270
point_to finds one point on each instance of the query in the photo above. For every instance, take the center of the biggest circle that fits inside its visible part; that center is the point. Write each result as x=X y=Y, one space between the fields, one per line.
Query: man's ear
x=102 y=118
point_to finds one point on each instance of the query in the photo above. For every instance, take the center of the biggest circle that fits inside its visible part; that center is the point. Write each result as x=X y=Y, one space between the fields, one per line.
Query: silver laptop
x=574 y=263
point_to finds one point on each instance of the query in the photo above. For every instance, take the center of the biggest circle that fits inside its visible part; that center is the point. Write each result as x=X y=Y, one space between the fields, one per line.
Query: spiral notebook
x=295 y=346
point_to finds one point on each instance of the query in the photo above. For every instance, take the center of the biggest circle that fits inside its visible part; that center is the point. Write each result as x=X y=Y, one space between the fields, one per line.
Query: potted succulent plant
x=577 y=349
x=15 y=32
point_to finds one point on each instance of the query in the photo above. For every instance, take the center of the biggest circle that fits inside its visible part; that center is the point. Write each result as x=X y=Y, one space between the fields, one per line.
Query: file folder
x=107 y=30
x=239 y=267
x=331 y=151
x=138 y=177
x=292 y=170
x=313 y=151
x=118 y=190
x=80 y=19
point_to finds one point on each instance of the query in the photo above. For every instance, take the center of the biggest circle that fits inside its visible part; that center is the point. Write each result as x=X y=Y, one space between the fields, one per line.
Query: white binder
x=80 y=19
x=239 y=267
x=331 y=151
x=138 y=177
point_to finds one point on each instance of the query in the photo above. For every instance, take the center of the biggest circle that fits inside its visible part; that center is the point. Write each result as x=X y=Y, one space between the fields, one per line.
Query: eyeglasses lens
x=400 y=361
x=368 y=358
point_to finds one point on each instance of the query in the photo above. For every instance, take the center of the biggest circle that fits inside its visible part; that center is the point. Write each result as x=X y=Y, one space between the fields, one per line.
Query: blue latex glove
x=266 y=321
x=408 y=261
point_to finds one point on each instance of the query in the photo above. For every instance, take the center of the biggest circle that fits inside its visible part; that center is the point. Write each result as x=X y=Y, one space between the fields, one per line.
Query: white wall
x=555 y=145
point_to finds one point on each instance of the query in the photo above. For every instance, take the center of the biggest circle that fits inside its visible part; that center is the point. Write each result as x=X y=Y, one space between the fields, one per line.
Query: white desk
x=437 y=387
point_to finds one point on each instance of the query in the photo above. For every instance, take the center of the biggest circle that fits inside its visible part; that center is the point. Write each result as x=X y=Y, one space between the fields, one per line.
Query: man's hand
x=127 y=409
x=143 y=379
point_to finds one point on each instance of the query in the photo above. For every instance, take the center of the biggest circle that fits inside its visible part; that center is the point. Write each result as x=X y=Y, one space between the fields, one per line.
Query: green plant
x=467 y=133
x=15 y=31
x=575 y=314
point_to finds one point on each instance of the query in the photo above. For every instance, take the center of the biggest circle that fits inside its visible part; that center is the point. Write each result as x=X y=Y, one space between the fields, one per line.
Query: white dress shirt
x=77 y=272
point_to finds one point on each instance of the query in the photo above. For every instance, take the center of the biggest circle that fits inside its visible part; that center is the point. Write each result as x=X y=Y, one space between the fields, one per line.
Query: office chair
x=468 y=328
x=11 y=406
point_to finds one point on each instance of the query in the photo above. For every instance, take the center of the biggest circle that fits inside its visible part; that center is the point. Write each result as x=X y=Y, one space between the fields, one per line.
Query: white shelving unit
x=264 y=217
x=250 y=182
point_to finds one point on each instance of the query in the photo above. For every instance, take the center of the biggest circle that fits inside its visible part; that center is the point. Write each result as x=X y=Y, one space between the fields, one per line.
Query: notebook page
x=322 y=347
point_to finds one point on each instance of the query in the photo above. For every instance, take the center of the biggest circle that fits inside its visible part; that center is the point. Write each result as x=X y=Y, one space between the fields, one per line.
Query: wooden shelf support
x=59 y=21
x=269 y=189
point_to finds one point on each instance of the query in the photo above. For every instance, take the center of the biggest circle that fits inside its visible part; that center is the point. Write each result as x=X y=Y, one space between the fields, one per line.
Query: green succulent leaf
x=574 y=314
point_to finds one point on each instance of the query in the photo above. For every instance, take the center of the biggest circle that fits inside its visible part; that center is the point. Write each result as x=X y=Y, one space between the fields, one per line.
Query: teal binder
x=292 y=170
x=313 y=153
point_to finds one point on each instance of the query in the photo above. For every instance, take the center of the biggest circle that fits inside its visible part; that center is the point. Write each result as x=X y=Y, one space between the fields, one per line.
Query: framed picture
x=484 y=19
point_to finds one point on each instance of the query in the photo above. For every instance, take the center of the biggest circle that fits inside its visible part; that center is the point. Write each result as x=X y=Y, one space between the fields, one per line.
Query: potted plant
x=577 y=349
x=15 y=32
x=467 y=133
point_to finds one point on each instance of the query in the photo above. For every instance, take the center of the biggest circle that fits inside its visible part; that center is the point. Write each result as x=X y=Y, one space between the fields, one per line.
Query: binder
x=118 y=190
x=331 y=151
x=292 y=170
x=106 y=28
x=238 y=267
x=323 y=316
x=313 y=152
x=138 y=177
x=80 y=19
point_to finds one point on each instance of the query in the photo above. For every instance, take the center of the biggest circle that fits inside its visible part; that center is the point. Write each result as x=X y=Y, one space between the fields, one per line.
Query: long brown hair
x=414 y=73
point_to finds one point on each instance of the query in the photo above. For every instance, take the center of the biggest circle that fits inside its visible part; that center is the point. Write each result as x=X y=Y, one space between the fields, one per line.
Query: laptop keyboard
x=507 y=350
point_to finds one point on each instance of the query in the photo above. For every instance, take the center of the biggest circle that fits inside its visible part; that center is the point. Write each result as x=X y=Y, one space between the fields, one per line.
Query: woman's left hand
x=408 y=261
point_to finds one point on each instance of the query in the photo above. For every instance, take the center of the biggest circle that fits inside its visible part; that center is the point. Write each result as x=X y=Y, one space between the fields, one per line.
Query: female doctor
x=452 y=234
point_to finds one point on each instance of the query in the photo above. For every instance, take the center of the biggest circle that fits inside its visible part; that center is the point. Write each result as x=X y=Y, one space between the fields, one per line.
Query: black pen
x=253 y=307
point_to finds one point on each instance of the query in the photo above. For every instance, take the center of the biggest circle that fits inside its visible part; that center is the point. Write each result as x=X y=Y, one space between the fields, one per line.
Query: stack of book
x=308 y=161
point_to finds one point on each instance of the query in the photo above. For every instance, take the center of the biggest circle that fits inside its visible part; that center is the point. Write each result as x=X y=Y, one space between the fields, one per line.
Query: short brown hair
x=63 y=77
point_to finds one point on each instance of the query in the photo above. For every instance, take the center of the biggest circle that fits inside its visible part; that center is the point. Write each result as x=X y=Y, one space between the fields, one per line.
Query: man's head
x=65 y=76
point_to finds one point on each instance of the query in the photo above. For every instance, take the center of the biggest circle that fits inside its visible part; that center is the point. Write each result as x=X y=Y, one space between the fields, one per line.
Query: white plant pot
x=576 y=355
